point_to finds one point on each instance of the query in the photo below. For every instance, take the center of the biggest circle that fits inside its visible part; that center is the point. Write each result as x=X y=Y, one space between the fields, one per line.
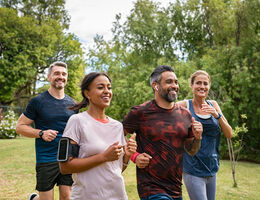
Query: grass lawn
x=17 y=175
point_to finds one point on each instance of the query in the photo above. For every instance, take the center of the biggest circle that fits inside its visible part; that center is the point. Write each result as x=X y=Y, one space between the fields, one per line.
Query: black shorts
x=48 y=174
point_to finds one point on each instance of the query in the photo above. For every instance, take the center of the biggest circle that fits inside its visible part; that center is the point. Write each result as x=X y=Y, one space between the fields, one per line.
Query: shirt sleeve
x=131 y=120
x=31 y=109
x=72 y=129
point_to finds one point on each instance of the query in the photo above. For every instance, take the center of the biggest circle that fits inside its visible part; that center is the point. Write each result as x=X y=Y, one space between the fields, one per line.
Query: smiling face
x=58 y=77
x=169 y=87
x=201 y=86
x=99 y=92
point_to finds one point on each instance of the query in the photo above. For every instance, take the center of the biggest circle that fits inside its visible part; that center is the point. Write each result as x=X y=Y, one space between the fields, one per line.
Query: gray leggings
x=200 y=188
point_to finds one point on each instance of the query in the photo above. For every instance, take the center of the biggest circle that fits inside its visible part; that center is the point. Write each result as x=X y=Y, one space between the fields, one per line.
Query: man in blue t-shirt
x=49 y=112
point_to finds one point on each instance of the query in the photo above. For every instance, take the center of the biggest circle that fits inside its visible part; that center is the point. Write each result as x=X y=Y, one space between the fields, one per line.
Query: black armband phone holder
x=66 y=150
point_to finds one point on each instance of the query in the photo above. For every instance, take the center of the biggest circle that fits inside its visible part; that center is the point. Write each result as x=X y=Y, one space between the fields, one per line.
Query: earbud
x=156 y=87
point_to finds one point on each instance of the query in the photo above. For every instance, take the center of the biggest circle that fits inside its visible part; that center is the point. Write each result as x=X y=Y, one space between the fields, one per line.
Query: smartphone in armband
x=63 y=149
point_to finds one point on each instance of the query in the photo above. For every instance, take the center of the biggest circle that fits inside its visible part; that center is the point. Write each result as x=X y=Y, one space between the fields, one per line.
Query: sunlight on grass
x=17 y=175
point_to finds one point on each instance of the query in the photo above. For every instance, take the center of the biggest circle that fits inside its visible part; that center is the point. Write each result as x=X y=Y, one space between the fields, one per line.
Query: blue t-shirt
x=49 y=113
x=206 y=161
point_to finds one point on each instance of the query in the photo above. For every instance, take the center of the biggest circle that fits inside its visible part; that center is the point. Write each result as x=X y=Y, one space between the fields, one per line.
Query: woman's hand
x=131 y=146
x=113 y=152
x=209 y=109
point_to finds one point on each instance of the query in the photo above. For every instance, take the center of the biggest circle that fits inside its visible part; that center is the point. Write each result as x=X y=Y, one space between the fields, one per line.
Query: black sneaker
x=31 y=197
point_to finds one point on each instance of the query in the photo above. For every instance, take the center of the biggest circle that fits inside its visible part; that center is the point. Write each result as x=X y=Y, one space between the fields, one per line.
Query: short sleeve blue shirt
x=206 y=161
x=49 y=113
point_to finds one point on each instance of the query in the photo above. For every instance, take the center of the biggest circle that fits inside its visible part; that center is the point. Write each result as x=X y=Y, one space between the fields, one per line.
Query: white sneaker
x=31 y=197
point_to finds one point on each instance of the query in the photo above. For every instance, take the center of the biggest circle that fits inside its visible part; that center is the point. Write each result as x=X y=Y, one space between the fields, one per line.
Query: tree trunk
x=232 y=160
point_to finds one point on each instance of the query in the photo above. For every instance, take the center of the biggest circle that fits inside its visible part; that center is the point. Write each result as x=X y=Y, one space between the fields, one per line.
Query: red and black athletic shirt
x=161 y=134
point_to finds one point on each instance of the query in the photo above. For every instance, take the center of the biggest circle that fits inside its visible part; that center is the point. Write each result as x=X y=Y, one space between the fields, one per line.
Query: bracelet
x=196 y=140
x=133 y=157
x=219 y=115
x=126 y=164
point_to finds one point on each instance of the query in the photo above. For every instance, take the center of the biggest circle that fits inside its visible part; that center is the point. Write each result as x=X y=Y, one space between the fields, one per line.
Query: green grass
x=17 y=175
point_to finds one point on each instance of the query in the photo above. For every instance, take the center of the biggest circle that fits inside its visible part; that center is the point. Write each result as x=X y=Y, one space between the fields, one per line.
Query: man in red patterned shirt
x=163 y=129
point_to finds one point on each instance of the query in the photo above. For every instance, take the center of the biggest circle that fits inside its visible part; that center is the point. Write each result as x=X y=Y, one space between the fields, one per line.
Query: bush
x=7 y=125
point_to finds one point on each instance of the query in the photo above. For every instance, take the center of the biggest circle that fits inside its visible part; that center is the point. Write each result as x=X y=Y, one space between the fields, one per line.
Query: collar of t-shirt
x=103 y=120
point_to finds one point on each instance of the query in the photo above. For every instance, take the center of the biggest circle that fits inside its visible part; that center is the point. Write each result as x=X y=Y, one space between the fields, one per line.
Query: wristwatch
x=41 y=133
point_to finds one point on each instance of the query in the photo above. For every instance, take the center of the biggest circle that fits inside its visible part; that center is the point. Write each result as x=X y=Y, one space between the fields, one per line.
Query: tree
x=40 y=10
x=24 y=47
x=29 y=43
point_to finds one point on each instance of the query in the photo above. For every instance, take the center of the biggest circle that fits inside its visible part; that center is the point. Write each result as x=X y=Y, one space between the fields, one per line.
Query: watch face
x=41 y=133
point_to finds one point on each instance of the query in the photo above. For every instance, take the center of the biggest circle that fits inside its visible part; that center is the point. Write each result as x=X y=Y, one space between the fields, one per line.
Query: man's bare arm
x=192 y=146
x=24 y=128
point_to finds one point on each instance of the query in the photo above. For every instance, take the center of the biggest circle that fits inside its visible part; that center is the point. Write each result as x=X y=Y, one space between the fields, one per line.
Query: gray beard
x=57 y=87
x=171 y=98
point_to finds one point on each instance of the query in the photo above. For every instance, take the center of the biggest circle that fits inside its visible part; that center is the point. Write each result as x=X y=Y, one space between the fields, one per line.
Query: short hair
x=156 y=74
x=57 y=63
x=197 y=73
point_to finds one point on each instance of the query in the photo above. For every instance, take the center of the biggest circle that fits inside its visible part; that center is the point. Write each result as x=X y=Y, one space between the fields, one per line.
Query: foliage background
x=33 y=34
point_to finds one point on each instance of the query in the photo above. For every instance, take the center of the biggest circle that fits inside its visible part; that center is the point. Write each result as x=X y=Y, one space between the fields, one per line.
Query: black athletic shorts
x=48 y=174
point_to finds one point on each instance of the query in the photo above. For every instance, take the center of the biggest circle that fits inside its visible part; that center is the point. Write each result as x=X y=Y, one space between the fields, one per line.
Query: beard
x=57 y=86
x=168 y=95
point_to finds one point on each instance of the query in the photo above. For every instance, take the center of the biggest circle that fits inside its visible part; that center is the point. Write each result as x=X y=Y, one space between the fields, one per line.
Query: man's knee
x=64 y=196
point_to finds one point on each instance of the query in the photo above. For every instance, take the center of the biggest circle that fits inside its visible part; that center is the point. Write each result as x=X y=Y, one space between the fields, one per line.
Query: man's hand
x=49 y=135
x=192 y=145
x=142 y=160
x=197 y=129
x=131 y=146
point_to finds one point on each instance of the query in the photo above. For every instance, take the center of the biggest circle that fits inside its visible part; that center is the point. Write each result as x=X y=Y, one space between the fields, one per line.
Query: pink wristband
x=133 y=156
